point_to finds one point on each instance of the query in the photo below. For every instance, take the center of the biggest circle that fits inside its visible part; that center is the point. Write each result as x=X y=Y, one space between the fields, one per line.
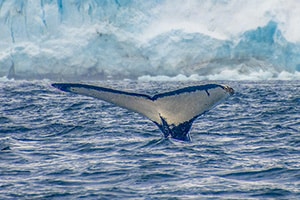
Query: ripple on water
x=62 y=146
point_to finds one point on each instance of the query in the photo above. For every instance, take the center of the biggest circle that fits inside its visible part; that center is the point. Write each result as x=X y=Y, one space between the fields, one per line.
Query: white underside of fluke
x=166 y=109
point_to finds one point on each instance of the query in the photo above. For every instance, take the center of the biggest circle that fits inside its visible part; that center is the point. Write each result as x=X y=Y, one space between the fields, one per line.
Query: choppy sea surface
x=56 y=145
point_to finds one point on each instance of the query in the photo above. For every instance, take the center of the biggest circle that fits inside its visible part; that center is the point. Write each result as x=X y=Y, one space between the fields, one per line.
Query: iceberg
x=149 y=40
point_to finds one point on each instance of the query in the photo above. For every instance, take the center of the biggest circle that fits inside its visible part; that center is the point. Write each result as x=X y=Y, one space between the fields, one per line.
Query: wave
x=227 y=75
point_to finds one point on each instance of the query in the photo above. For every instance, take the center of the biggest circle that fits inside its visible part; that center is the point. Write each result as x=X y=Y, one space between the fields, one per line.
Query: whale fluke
x=173 y=112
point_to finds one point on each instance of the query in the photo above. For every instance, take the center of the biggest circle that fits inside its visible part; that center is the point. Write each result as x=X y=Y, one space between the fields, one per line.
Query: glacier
x=149 y=40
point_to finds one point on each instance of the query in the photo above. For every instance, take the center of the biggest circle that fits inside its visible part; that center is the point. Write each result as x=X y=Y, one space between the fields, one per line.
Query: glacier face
x=93 y=39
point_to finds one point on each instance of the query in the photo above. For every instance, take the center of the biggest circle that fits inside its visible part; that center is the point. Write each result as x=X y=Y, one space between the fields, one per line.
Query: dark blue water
x=57 y=145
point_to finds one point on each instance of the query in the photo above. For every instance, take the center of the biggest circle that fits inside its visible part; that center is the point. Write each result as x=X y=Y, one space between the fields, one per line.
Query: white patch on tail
x=173 y=112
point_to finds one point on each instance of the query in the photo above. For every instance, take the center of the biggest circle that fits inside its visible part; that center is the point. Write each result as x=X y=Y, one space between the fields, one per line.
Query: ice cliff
x=95 y=40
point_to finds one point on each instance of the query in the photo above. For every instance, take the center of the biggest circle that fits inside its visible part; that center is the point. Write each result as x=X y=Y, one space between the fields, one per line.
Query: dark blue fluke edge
x=187 y=90
x=66 y=88
x=61 y=86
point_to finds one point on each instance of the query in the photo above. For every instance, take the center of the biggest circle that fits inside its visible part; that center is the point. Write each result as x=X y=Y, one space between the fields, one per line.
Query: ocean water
x=56 y=145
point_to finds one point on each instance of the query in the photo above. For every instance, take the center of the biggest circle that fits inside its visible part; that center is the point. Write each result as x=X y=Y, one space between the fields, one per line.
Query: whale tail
x=173 y=112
